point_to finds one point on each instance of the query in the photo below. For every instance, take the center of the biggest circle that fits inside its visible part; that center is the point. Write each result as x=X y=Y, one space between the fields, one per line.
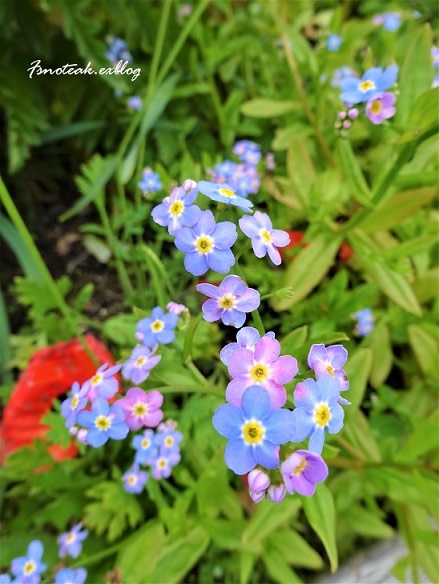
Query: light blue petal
x=196 y=264
x=248 y=301
x=206 y=224
x=256 y=403
x=184 y=240
x=388 y=78
x=35 y=550
x=303 y=425
x=259 y=247
x=209 y=290
x=190 y=216
x=247 y=337
x=96 y=437
x=165 y=336
x=221 y=260
x=170 y=319
x=228 y=420
x=335 y=424
x=233 y=318
x=267 y=454
x=118 y=431
x=224 y=235
x=239 y=457
x=211 y=311
x=279 y=426
x=317 y=440
x=233 y=285
x=249 y=226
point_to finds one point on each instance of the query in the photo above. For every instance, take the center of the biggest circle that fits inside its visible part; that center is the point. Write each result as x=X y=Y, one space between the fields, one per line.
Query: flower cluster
x=242 y=177
x=206 y=243
x=365 y=321
x=28 y=569
x=117 y=51
x=371 y=90
x=259 y=429
x=150 y=181
x=160 y=451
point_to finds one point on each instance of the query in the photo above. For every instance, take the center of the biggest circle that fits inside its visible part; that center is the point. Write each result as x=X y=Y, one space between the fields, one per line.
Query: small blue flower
x=135 y=102
x=117 y=51
x=104 y=422
x=69 y=576
x=70 y=542
x=229 y=301
x=150 y=182
x=254 y=430
x=177 y=210
x=168 y=440
x=134 y=479
x=317 y=411
x=370 y=86
x=73 y=405
x=340 y=74
x=248 y=151
x=264 y=238
x=138 y=367
x=27 y=569
x=365 y=322
x=223 y=193
x=391 y=21
x=164 y=463
x=207 y=245
x=157 y=329
x=333 y=43
x=146 y=449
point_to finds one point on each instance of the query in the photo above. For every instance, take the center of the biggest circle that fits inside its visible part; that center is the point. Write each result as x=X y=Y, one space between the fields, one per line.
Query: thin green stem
x=160 y=39
x=304 y=100
x=85 y=561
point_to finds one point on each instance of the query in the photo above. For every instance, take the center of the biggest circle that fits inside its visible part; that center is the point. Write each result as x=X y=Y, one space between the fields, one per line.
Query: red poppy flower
x=50 y=373
x=295 y=240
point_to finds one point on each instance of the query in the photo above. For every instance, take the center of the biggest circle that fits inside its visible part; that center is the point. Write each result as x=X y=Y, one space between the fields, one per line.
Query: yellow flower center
x=132 y=479
x=29 y=568
x=300 y=468
x=140 y=361
x=146 y=442
x=259 y=372
x=253 y=432
x=204 y=244
x=169 y=441
x=176 y=208
x=75 y=400
x=376 y=107
x=330 y=370
x=70 y=537
x=140 y=409
x=227 y=193
x=265 y=235
x=97 y=379
x=157 y=326
x=366 y=85
x=322 y=415
x=162 y=463
x=226 y=302
x=102 y=423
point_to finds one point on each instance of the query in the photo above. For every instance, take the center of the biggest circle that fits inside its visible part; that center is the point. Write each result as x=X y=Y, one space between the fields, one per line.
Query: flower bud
x=82 y=436
x=347 y=125
x=73 y=430
x=341 y=115
x=139 y=336
x=258 y=480
x=189 y=184
x=276 y=493
x=256 y=497
x=353 y=113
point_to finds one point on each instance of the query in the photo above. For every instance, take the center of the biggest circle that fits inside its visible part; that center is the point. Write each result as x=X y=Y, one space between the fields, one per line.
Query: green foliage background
x=207 y=80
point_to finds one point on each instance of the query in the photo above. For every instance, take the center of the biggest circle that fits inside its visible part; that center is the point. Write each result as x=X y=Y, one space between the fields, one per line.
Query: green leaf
x=246 y=565
x=393 y=211
x=353 y=173
x=393 y=285
x=359 y=434
x=358 y=367
x=308 y=269
x=320 y=512
x=120 y=329
x=425 y=348
x=268 y=108
x=277 y=567
x=57 y=433
x=294 y=340
x=267 y=518
x=424 y=116
x=225 y=534
x=177 y=558
x=138 y=556
x=212 y=485
x=284 y=136
x=97 y=248
x=366 y=523
x=382 y=355
x=295 y=549
x=423 y=439
x=415 y=75
x=14 y=240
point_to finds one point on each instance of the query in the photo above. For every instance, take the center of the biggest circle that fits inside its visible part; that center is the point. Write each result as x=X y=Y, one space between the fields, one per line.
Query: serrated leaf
x=320 y=512
x=57 y=432
x=308 y=269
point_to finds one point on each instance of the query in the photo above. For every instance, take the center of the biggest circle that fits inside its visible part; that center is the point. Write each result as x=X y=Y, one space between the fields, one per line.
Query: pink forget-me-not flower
x=330 y=360
x=264 y=238
x=254 y=431
x=141 y=408
x=246 y=338
x=263 y=367
x=229 y=301
x=381 y=107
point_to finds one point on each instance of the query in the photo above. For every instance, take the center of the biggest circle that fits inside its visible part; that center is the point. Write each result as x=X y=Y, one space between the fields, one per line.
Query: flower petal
x=227 y=421
x=267 y=454
x=256 y=403
x=279 y=426
x=239 y=457
x=267 y=350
